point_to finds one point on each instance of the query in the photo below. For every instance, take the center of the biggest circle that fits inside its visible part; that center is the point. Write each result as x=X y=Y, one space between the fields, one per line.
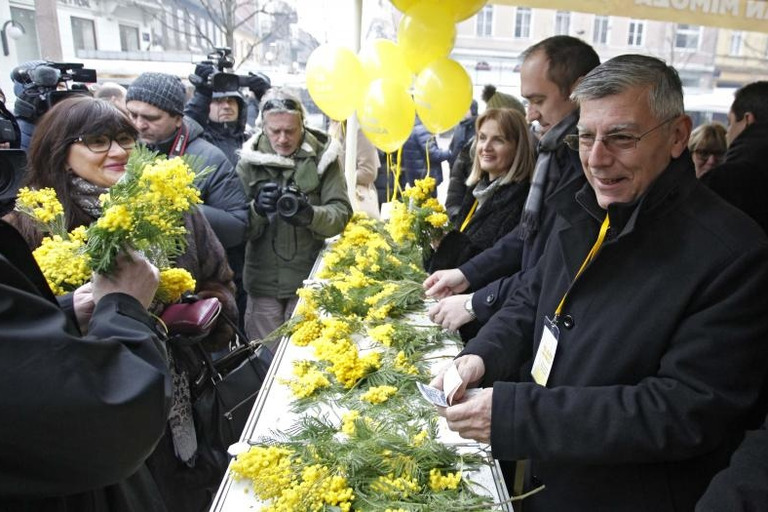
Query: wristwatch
x=468 y=306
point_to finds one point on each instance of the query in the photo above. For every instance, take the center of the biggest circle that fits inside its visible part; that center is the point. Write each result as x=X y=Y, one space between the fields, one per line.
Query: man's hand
x=266 y=199
x=471 y=369
x=134 y=275
x=471 y=418
x=450 y=313
x=258 y=83
x=445 y=283
x=201 y=77
x=83 y=304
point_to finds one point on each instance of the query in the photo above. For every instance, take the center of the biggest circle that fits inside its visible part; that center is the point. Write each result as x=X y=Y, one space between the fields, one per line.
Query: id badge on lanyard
x=545 y=355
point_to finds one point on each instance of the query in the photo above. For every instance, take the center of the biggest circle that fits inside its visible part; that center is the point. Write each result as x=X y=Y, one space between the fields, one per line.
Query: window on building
x=737 y=39
x=562 y=23
x=26 y=46
x=484 y=26
x=600 y=30
x=129 y=38
x=523 y=23
x=83 y=34
x=687 y=37
x=636 y=33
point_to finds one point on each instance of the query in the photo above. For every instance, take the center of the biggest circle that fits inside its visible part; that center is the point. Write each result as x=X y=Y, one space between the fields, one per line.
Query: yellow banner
x=734 y=14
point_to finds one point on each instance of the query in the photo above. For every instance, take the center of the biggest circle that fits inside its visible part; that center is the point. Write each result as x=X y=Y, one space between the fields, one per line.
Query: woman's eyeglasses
x=102 y=143
x=281 y=104
x=704 y=154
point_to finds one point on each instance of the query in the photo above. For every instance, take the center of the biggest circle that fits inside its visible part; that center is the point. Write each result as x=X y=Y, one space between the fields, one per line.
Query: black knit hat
x=165 y=92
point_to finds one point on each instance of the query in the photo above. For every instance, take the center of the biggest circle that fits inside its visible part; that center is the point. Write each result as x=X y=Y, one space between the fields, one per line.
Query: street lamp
x=15 y=31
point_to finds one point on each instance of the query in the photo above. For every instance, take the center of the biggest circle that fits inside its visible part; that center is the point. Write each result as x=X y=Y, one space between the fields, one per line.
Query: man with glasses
x=155 y=104
x=741 y=179
x=626 y=365
x=550 y=70
x=299 y=198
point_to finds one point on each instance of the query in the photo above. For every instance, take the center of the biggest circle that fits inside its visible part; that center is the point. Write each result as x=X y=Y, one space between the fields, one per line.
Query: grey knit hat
x=165 y=92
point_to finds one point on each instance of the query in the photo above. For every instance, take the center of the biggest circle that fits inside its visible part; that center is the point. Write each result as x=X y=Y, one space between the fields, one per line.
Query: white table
x=271 y=412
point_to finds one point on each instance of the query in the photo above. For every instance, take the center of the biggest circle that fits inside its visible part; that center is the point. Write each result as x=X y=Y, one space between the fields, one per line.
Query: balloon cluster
x=389 y=82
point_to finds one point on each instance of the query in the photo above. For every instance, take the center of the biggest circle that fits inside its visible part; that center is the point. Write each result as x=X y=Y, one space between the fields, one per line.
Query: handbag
x=226 y=398
x=223 y=390
x=194 y=318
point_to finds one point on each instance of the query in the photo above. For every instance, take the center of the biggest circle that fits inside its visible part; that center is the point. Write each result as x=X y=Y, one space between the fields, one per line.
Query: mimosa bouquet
x=143 y=211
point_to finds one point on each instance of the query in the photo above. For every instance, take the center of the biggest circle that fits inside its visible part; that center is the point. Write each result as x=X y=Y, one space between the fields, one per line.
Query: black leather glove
x=201 y=78
x=266 y=199
x=303 y=216
x=258 y=83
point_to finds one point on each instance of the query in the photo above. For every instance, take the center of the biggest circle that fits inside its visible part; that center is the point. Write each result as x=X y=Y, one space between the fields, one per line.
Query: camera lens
x=288 y=204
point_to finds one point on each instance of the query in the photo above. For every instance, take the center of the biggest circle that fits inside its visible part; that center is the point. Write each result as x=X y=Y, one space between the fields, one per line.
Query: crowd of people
x=606 y=269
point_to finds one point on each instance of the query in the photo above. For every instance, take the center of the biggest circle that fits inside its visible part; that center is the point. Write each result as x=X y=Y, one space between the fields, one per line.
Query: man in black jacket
x=550 y=70
x=81 y=413
x=223 y=114
x=155 y=103
x=626 y=366
x=742 y=179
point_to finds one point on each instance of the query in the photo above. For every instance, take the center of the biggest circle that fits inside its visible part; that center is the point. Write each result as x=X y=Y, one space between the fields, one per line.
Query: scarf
x=86 y=195
x=545 y=174
x=180 y=418
x=484 y=190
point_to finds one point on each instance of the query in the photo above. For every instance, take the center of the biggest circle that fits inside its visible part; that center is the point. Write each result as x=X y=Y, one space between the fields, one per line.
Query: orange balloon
x=425 y=33
x=442 y=93
x=387 y=114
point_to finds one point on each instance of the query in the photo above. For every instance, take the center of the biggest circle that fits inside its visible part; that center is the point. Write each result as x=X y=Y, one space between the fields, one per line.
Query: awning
x=751 y=15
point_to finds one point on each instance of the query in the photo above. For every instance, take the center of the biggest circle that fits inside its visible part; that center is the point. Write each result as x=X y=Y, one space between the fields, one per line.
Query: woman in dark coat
x=496 y=188
x=80 y=148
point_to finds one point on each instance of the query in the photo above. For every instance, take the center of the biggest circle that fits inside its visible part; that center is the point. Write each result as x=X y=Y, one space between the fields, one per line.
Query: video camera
x=41 y=86
x=13 y=163
x=222 y=81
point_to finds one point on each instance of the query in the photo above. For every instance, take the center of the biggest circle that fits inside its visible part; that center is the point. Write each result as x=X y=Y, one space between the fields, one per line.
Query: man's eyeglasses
x=615 y=142
x=704 y=154
x=102 y=143
x=281 y=104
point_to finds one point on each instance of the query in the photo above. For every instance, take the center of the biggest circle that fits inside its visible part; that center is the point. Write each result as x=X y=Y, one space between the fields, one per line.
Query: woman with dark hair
x=496 y=188
x=80 y=148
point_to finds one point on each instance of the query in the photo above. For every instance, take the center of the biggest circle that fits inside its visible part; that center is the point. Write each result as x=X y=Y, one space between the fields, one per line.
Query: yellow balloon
x=404 y=5
x=387 y=114
x=425 y=33
x=335 y=80
x=442 y=93
x=382 y=58
x=463 y=9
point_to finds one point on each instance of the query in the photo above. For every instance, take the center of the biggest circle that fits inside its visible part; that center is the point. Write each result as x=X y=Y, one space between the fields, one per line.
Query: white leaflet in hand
x=451 y=383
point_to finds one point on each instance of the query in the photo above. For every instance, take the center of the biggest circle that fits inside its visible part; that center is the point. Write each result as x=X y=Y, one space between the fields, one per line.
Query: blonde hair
x=709 y=135
x=515 y=129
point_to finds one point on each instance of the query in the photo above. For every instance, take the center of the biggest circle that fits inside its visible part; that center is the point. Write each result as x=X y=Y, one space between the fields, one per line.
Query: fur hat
x=496 y=99
x=165 y=92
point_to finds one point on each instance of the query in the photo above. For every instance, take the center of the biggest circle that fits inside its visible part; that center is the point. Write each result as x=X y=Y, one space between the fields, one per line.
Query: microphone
x=45 y=76
x=21 y=73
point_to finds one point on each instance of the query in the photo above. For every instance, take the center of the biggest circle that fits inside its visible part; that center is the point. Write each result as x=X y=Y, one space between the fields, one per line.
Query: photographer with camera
x=298 y=199
x=217 y=104
x=39 y=85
